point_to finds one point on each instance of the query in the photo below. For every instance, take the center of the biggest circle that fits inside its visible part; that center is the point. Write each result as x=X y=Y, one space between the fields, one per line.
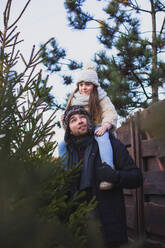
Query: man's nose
x=79 y=120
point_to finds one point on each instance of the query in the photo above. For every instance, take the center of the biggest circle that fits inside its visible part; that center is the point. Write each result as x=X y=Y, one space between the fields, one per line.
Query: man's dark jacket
x=111 y=208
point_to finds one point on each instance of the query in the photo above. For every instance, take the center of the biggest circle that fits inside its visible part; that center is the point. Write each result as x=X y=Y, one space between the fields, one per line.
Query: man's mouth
x=82 y=127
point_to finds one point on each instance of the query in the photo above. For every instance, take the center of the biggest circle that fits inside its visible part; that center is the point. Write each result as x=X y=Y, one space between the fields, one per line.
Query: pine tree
x=135 y=67
x=55 y=60
x=38 y=207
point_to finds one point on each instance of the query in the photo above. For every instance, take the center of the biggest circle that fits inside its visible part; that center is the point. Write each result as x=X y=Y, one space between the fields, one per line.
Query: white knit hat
x=88 y=74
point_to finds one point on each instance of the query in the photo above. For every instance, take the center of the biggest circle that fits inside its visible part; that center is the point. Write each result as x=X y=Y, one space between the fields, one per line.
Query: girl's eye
x=88 y=84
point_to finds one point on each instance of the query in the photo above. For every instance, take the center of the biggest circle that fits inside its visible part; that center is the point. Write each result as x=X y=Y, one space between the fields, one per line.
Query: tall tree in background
x=134 y=72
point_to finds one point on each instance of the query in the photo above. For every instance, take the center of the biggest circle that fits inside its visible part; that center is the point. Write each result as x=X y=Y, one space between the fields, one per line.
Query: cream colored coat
x=109 y=113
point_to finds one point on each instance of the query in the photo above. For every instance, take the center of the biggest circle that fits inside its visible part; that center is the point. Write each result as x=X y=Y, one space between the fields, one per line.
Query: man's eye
x=72 y=120
x=82 y=118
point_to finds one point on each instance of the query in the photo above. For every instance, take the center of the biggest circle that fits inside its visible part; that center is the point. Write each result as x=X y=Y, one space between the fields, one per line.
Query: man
x=81 y=145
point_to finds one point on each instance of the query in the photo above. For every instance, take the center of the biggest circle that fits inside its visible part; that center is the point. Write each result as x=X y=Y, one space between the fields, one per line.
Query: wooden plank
x=151 y=164
x=154 y=189
x=154 y=219
x=133 y=153
x=154 y=244
x=123 y=134
x=158 y=199
x=149 y=148
x=129 y=199
x=154 y=176
x=154 y=182
x=131 y=216
x=128 y=191
x=139 y=163
x=146 y=243
x=152 y=121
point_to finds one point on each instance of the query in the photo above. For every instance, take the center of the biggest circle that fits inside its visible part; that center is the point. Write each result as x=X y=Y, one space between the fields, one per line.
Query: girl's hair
x=94 y=104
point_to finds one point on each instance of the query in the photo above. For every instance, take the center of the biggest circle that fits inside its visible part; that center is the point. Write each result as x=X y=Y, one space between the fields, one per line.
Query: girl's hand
x=101 y=130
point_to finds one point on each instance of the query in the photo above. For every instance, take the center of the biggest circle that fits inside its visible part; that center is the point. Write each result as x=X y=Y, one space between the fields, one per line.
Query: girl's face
x=85 y=88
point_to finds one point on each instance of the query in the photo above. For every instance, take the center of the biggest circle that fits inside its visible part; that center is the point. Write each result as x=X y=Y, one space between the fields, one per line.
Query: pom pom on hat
x=90 y=66
x=88 y=74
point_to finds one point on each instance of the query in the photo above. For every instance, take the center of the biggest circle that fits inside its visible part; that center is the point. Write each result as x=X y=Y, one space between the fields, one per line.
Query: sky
x=44 y=19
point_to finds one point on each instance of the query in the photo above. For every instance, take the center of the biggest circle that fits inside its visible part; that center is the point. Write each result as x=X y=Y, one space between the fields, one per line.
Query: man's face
x=78 y=125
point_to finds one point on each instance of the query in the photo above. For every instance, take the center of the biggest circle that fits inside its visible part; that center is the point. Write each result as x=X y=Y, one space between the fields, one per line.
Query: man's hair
x=72 y=110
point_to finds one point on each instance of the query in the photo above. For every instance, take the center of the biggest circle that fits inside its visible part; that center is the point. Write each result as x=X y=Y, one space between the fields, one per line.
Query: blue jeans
x=105 y=148
x=62 y=152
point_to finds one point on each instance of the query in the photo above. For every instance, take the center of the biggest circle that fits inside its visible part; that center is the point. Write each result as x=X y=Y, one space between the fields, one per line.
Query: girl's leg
x=105 y=148
x=62 y=151
x=106 y=154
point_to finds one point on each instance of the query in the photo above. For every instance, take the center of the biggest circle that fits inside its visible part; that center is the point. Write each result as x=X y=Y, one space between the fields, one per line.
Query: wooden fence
x=144 y=136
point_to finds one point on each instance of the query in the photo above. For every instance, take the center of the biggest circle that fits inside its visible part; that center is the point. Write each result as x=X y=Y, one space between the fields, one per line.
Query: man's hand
x=101 y=130
x=106 y=173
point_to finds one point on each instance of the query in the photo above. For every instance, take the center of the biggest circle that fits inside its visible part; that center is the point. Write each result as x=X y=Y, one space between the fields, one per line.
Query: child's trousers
x=105 y=148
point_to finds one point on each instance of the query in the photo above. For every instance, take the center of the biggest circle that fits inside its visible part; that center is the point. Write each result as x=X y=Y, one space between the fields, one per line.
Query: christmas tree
x=38 y=207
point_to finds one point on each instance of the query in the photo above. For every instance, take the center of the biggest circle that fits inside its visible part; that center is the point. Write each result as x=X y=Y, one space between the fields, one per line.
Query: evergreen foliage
x=133 y=74
x=55 y=57
x=38 y=207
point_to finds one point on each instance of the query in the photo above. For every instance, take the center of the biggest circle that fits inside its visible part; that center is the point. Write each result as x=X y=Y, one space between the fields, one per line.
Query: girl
x=101 y=110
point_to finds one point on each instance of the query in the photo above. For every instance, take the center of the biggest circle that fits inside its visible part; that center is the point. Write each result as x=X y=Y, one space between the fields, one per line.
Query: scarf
x=83 y=100
x=74 y=146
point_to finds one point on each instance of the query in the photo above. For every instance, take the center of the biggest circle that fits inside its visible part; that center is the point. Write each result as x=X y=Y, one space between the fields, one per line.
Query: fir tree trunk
x=154 y=54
